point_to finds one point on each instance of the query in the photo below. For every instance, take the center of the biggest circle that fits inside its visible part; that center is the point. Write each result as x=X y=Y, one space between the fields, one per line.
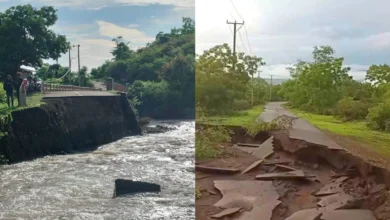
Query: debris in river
x=125 y=187
x=217 y=169
x=306 y=214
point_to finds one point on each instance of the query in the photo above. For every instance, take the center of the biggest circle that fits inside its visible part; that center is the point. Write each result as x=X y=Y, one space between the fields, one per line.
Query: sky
x=93 y=24
x=284 y=31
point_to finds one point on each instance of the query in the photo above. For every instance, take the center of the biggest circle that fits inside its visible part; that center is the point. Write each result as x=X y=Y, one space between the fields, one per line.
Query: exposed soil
x=367 y=183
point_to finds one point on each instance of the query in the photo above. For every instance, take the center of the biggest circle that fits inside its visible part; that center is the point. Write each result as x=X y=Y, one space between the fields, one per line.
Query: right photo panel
x=292 y=110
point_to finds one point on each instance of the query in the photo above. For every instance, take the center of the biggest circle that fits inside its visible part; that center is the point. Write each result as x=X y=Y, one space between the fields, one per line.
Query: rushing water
x=80 y=186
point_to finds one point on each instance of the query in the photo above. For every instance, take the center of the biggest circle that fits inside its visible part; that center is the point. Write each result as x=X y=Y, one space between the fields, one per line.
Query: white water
x=80 y=186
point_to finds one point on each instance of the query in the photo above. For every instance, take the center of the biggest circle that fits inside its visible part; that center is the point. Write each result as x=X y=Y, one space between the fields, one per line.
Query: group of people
x=20 y=85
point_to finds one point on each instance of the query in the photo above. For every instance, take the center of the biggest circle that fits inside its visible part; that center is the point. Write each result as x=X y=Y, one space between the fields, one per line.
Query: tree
x=378 y=74
x=26 y=38
x=122 y=50
x=317 y=86
x=219 y=87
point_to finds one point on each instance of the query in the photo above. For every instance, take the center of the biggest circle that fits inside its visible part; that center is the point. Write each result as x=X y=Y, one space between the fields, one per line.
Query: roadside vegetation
x=226 y=94
x=160 y=76
x=323 y=92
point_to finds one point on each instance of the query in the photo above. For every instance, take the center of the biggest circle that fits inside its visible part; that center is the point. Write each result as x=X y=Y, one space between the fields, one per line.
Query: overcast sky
x=94 y=23
x=283 y=31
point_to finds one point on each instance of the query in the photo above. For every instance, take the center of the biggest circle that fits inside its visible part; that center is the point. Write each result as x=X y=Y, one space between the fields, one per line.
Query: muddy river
x=80 y=186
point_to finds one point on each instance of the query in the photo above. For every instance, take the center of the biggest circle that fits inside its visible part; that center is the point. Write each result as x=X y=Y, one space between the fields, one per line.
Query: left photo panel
x=97 y=109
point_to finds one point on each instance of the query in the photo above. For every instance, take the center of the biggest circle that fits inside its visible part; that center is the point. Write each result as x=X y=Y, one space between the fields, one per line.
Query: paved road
x=301 y=129
x=76 y=93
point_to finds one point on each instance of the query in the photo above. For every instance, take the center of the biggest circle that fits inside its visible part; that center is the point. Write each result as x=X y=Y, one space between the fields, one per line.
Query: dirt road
x=294 y=174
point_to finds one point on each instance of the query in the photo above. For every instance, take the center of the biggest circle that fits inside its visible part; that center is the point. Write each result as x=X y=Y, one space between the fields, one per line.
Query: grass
x=33 y=100
x=379 y=141
x=240 y=118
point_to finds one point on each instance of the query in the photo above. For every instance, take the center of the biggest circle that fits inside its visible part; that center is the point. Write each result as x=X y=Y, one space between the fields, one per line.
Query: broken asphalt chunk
x=336 y=201
x=265 y=149
x=306 y=214
x=248 y=145
x=252 y=166
x=329 y=189
x=262 y=212
x=285 y=167
x=216 y=170
x=350 y=214
x=226 y=212
x=298 y=174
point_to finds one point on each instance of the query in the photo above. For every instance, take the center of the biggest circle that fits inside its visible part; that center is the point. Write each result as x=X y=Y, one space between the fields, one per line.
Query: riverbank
x=67 y=124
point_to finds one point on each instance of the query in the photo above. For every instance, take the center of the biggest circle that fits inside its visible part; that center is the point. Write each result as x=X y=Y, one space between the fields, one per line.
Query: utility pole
x=234 y=38
x=270 y=89
x=78 y=57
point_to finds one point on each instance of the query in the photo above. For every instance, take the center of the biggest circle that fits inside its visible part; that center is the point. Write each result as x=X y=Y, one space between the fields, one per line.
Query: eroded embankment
x=67 y=124
x=323 y=183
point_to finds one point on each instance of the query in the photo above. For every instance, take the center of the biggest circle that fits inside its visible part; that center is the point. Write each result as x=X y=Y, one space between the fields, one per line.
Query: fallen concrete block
x=330 y=189
x=125 y=187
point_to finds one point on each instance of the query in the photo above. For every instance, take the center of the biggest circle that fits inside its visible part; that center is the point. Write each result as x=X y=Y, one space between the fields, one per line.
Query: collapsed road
x=293 y=174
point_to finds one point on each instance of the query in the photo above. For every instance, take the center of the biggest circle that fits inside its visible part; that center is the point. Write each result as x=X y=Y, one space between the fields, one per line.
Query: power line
x=247 y=38
x=231 y=1
x=242 y=42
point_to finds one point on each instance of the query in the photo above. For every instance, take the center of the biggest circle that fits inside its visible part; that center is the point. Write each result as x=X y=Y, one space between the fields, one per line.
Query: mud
x=348 y=183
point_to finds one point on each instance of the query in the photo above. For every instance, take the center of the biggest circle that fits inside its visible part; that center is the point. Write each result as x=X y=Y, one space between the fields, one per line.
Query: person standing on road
x=23 y=92
x=9 y=89
x=18 y=83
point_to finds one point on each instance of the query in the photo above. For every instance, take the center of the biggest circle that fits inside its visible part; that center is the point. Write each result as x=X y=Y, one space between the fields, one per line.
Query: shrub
x=378 y=117
x=208 y=140
x=348 y=109
x=3 y=95
x=239 y=105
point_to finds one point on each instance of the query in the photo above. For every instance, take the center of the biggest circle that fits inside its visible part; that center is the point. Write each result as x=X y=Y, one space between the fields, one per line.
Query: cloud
x=132 y=25
x=99 y=4
x=284 y=31
x=135 y=36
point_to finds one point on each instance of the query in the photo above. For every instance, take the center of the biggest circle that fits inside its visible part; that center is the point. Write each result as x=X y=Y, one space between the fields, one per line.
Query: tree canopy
x=27 y=39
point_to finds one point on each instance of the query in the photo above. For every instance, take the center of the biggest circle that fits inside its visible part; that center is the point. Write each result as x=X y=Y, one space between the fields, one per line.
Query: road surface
x=60 y=94
x=301 y=129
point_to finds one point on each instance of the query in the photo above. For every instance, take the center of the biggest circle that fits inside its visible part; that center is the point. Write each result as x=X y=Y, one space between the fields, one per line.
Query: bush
x=378 y=117
x=348 y=109
x=3 y=95
x=208 y=140
x=239 y=105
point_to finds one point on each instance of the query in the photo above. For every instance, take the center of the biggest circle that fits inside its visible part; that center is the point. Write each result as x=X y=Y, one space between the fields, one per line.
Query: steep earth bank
x=68 y=124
